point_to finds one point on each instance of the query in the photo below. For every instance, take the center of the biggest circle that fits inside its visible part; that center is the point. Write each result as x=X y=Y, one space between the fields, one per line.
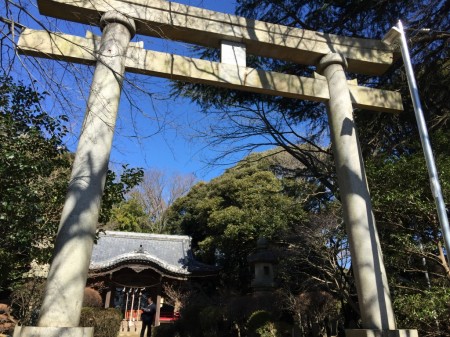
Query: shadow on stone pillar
x=61 y=307
x=370 y=275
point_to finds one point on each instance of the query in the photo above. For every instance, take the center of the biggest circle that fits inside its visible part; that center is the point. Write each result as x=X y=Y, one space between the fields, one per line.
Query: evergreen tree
x=226 y=216
x=34 y=173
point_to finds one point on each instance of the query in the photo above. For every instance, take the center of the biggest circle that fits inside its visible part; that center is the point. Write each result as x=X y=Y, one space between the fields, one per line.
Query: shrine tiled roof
x=168 y=253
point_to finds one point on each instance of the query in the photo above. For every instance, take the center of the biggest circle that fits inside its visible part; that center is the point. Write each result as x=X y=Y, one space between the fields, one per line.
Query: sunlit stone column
x=68 y=272
x=370 y=275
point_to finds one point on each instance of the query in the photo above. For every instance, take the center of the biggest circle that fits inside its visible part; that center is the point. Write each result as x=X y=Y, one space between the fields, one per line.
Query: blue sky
x=170 y=149
x=155 y=131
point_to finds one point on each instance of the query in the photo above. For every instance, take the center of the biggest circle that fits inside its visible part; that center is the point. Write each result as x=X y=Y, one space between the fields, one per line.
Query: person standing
x=147 y=317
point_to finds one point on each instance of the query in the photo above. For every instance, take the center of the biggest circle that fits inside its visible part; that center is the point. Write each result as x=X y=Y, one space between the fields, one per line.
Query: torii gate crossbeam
x=170 y=20
x=120 y=19
x=175 y=67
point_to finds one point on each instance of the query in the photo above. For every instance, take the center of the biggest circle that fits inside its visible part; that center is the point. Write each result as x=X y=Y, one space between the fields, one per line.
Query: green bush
x=424 y=311
x=275 y=329
x=269 y=329
x=166 y=330
x=258 y=320
x=106 y=322
x=210 y=317
x=189 y=322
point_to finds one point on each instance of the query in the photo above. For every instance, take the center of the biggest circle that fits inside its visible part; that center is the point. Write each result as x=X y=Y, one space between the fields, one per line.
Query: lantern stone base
x=34 y=331
x=381 y=333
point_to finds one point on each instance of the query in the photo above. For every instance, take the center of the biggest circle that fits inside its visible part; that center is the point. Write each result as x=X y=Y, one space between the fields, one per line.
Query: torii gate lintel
x=222 y=74
x=170 y=20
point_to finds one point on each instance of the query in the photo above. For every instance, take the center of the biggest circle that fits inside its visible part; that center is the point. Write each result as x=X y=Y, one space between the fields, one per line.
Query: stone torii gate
x=113 y=54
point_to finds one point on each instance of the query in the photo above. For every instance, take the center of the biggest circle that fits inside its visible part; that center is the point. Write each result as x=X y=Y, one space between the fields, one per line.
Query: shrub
x=210 y=317
x=106 y=322
x=425 y=311
x=189 y=322
x=211 y=321
x=165 y=330
x=269 y=329
x=26 y=300
x=258 y=320
x=92 y=298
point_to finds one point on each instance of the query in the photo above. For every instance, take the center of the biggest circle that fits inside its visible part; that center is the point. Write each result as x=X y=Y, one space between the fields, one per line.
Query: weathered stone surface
x=367 y=262
x=61 y=306
x=233 y=53
x=83 y=50
x=379 y=333
x=33 y=331
x=175 y=21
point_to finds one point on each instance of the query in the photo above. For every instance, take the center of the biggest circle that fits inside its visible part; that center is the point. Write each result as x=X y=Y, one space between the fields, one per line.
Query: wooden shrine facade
x=134 y=266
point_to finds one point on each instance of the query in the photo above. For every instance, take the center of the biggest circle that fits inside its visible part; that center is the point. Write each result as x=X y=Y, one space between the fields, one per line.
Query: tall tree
x=34 y=172
x=146 y=206
x=33 y=176
x=128 y=216
x=246 y=121
x=226 y=216
x=403 y=203
x=158 y=192
x=411 y=236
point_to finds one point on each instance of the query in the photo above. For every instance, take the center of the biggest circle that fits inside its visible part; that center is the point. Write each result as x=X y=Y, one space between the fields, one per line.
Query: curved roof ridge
x=147 y=235
x=170 y=253
x=138 y=257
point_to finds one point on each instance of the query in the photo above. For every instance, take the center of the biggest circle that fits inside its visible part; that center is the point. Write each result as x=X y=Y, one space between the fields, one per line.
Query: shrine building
x=134 y=266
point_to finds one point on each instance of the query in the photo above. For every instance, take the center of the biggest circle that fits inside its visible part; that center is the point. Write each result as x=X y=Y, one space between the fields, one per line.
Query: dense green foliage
x=427 y=311
x=226 y=216
x=33 y=178
x=258 y=320
x=116 y=189
x=411 y=236
x=315 y=283
x=165 y=330
x=129 y=215
x=34 y=172
x=106 y=322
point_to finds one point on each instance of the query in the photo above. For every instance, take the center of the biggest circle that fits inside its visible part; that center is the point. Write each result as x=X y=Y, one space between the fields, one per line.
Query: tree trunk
x=443 y=260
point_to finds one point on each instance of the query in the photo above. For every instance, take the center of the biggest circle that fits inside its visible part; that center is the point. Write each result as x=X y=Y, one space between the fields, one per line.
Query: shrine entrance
x=134 y=266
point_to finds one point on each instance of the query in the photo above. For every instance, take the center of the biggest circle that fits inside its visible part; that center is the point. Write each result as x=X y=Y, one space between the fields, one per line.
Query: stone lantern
x=263 y=262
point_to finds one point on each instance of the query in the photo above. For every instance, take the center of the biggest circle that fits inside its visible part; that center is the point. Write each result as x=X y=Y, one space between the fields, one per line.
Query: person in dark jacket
x=148 y=317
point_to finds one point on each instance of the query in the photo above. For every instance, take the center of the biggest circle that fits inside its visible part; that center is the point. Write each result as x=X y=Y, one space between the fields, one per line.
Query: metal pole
x=425 y=139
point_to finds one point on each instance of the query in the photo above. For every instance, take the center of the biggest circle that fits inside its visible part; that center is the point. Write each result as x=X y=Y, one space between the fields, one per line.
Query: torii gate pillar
x=76 y=233
x=370 y=276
